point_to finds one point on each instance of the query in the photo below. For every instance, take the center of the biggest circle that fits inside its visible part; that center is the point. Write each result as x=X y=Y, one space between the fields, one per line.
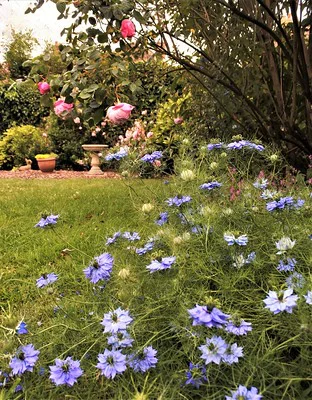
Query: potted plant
x=46 y=162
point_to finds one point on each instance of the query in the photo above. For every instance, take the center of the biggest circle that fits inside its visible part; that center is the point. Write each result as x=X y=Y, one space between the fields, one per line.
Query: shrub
x=20 y=142
x=66 y=139
x=20 y=104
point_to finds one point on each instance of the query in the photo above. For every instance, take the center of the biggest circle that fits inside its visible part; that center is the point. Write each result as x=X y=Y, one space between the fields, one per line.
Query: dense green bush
x=66 y=139
x=20 y=142
x=20 y=104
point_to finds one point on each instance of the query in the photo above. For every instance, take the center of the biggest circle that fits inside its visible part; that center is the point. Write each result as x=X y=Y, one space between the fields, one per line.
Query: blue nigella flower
x=267 y=194
x=147 y=247
x=239 y=327
x=286 y=266
x=21 y=328
x=131 y=236
x=281 y=301
x=143 y=362
x=212 y=146
x=211 y=318
x=231 y=239
x=284 y=203
x=163 y=218
x=65 y=372
x=196 y=375
x=111 y=363
x=4 y=378
x=100 y=269
x=284 y=244
x=113 y=239
x=165 y=263
x=47 y=221
x=308 y=297
x=178 y=200
x=156 y=155
x=210 y=185
x=117 y=156
x=116 y=321
x=46 y=279
x=295 y=281
x=213 y=350
x=121 y=339
x=24 y=360
x=261 y=183
x=242 y=393
x=232 y=354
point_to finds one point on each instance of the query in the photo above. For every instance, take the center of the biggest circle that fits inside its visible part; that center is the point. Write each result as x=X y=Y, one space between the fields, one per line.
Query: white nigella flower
x=284 y=244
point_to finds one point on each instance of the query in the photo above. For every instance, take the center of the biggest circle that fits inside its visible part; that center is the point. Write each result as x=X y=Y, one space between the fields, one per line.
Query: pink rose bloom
x=119 y=113
x=178 y=120
x=44 y=87
x=61 y=108
x=77 y=120
x=127 y=29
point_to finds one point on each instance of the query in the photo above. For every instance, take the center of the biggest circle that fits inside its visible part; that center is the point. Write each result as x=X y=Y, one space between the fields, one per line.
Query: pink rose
x=127 y=29
x=178 y=120
x=44 y=87
x=77 y=120
x=119 y=113
x=61 y=108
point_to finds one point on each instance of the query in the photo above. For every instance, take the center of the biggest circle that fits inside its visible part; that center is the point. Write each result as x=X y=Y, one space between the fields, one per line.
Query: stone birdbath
x=94 y=150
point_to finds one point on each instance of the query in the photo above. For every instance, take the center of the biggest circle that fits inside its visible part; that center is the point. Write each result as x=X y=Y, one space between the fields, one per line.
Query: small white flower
x=284 y=244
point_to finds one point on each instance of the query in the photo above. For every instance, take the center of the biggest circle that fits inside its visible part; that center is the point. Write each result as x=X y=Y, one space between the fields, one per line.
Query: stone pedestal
x=94 y=150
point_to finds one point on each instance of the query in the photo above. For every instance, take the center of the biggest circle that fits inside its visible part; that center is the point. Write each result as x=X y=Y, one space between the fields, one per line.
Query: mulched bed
x=62 y=174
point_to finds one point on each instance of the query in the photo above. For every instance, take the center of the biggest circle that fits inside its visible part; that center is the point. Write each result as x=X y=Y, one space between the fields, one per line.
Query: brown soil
x=62 y=174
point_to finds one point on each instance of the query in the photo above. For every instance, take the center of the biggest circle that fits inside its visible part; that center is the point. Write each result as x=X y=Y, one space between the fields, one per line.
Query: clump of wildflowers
x=284 y=203
x=281 y=301
x=24 y=360
x=100 y=269
x=131 y=236
x=65 y=372
x=47 y=220
x=46 y=279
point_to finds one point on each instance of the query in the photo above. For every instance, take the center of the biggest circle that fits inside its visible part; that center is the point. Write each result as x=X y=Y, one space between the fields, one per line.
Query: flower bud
x=188 y=175
x=274 y=157
x=214 y=165
x=147 y=207
x=124 y=273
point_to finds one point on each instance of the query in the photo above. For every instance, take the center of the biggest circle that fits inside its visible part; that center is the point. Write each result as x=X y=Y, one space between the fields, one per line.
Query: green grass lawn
x=64 y=318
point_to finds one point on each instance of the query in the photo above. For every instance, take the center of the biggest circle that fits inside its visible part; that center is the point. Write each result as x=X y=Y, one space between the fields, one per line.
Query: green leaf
x=92 y=88
x=102 y=38
x=98 y=115
x=46 y=101
x=139 y=17
x=84 y=94
x=61 y=7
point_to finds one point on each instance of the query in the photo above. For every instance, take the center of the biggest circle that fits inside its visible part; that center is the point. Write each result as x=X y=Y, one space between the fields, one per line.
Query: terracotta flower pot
x=46 y=164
